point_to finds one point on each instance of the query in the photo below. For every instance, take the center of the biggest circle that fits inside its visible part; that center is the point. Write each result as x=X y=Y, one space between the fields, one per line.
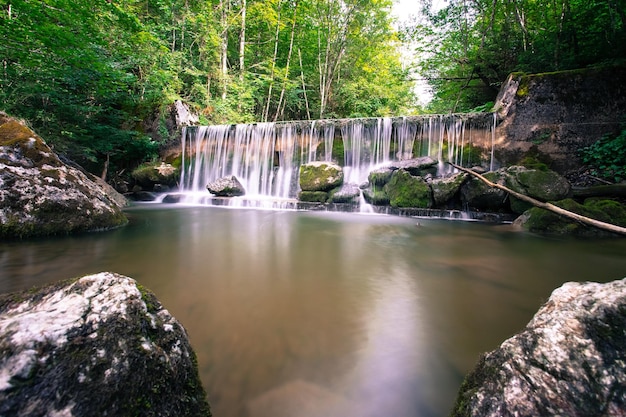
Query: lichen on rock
x=569 y=361
x=97 y=345
x=40 y=195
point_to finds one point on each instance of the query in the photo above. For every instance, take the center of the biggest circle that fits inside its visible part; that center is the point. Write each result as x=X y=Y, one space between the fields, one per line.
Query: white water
x=265 y=157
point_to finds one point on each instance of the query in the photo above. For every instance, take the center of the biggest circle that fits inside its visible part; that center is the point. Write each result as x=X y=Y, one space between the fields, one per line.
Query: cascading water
x=265 y=157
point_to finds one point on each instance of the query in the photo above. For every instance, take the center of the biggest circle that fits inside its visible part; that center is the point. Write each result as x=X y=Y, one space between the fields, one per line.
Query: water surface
x=326 y=314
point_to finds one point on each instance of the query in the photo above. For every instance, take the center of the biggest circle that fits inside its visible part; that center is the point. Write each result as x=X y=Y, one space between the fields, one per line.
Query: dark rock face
x=478 y=195
x=444 y=189
x=40 y=195
x=226 y=187
x=551 y=116
x=99 y=345
x=569 y=361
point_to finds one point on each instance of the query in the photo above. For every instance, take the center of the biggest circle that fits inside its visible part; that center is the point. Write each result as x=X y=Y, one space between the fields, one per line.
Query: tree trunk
x=266 y=112
x=306 y=100
x=547 y=206
x=279 y=111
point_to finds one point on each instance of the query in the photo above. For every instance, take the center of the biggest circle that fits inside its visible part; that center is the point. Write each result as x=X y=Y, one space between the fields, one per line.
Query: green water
x=325 y=314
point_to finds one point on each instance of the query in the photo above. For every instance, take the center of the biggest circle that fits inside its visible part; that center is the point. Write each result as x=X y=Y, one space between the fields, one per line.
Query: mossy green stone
x=313 y=196
x=405 y=190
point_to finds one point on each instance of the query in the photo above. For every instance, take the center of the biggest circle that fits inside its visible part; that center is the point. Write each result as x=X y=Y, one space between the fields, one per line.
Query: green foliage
x=469 y=48
x=607 y=157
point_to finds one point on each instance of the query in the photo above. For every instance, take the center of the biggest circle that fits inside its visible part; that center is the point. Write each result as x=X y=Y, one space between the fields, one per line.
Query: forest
x=91 y=76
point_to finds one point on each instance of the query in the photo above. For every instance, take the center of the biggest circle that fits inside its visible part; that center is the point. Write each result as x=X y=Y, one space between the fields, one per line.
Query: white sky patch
x=405 y=12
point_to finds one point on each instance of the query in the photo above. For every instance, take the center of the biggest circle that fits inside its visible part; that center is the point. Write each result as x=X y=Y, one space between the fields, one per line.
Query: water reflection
x=313 y=314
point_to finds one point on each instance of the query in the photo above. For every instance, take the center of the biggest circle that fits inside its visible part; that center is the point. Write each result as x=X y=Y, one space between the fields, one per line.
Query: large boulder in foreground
x=569 y=361
x=40 y=195
x=95 y=346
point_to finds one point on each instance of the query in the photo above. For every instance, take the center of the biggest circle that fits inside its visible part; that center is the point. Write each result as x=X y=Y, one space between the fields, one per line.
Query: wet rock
x=416 y=166
x=542 y=221
x=543 y=185
x=444 y=189
x=348 y=193
x=376 y=195
x=569 y=361
x=380 y=176
x=406 y=190
x=226 y=187
x=320 y=176
x=155 y=176
x=313 y=196
x=94 y=346
x=478 y=195
x=40 y=195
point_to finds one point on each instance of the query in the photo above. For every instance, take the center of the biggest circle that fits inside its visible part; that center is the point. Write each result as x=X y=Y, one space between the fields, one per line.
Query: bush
x=607 y=157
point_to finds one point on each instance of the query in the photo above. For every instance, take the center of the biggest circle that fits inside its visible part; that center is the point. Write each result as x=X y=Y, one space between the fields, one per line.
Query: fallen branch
x=547 y=206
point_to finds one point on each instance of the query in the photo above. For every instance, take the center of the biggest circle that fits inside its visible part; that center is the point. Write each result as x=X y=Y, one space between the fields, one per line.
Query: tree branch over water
x=547 y=206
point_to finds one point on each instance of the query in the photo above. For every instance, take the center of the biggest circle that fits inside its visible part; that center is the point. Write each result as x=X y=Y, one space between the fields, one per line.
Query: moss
x=16 y=135
x=320 y=177
x=544 y=221
x=405 y=190
x=313 y=196
x=531 y=162
x=524 y=86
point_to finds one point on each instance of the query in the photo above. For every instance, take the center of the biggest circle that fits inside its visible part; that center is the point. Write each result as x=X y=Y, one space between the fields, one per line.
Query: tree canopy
x=470 y=46
x=89 y=75
x=95 y=78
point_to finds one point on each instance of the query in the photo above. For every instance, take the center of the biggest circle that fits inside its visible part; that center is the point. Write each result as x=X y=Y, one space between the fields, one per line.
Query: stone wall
x=550 y=116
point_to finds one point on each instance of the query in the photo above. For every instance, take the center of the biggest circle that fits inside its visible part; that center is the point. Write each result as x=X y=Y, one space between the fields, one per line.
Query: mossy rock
x=376 y=196
x=444 y=189
x=313 y=196
x=542 y=185
x=347 y=194
x=149 y=174
x=380 y=176
x=405 y=190
x=41 y=196
x=320 y=176
x=538 y=220
x=478 y=195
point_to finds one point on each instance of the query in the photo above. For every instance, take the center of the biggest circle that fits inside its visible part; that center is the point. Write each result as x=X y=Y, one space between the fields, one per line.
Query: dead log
x=547 y=206
x=613 y=190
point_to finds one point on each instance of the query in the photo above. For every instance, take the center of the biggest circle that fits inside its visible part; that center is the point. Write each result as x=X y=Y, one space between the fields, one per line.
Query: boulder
x=444 y=189
x=40 y=195
x=416 y=166
x=380 y=176
x=405 y=190
x=542 y=185
x=154 y=176
x=320 y=176
x=313 y=196
x=478 y=195
x=542 y=221
x=95 y=346
x=226 y=187
x=568 y=361
x=348 y=193
x=376 y=195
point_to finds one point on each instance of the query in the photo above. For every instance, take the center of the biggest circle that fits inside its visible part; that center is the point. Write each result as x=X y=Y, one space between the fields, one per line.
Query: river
x=308 y=314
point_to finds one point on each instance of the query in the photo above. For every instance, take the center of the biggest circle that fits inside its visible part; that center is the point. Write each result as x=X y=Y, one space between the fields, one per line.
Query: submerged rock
x=94 y=346
x=40 y=195
x=569 y=361
x=226 y=187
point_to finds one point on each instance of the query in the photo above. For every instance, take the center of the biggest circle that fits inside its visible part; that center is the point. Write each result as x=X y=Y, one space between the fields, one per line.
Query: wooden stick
x=547 y=206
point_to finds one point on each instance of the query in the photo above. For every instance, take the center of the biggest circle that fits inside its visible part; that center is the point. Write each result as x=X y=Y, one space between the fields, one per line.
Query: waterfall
x=265 y=157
